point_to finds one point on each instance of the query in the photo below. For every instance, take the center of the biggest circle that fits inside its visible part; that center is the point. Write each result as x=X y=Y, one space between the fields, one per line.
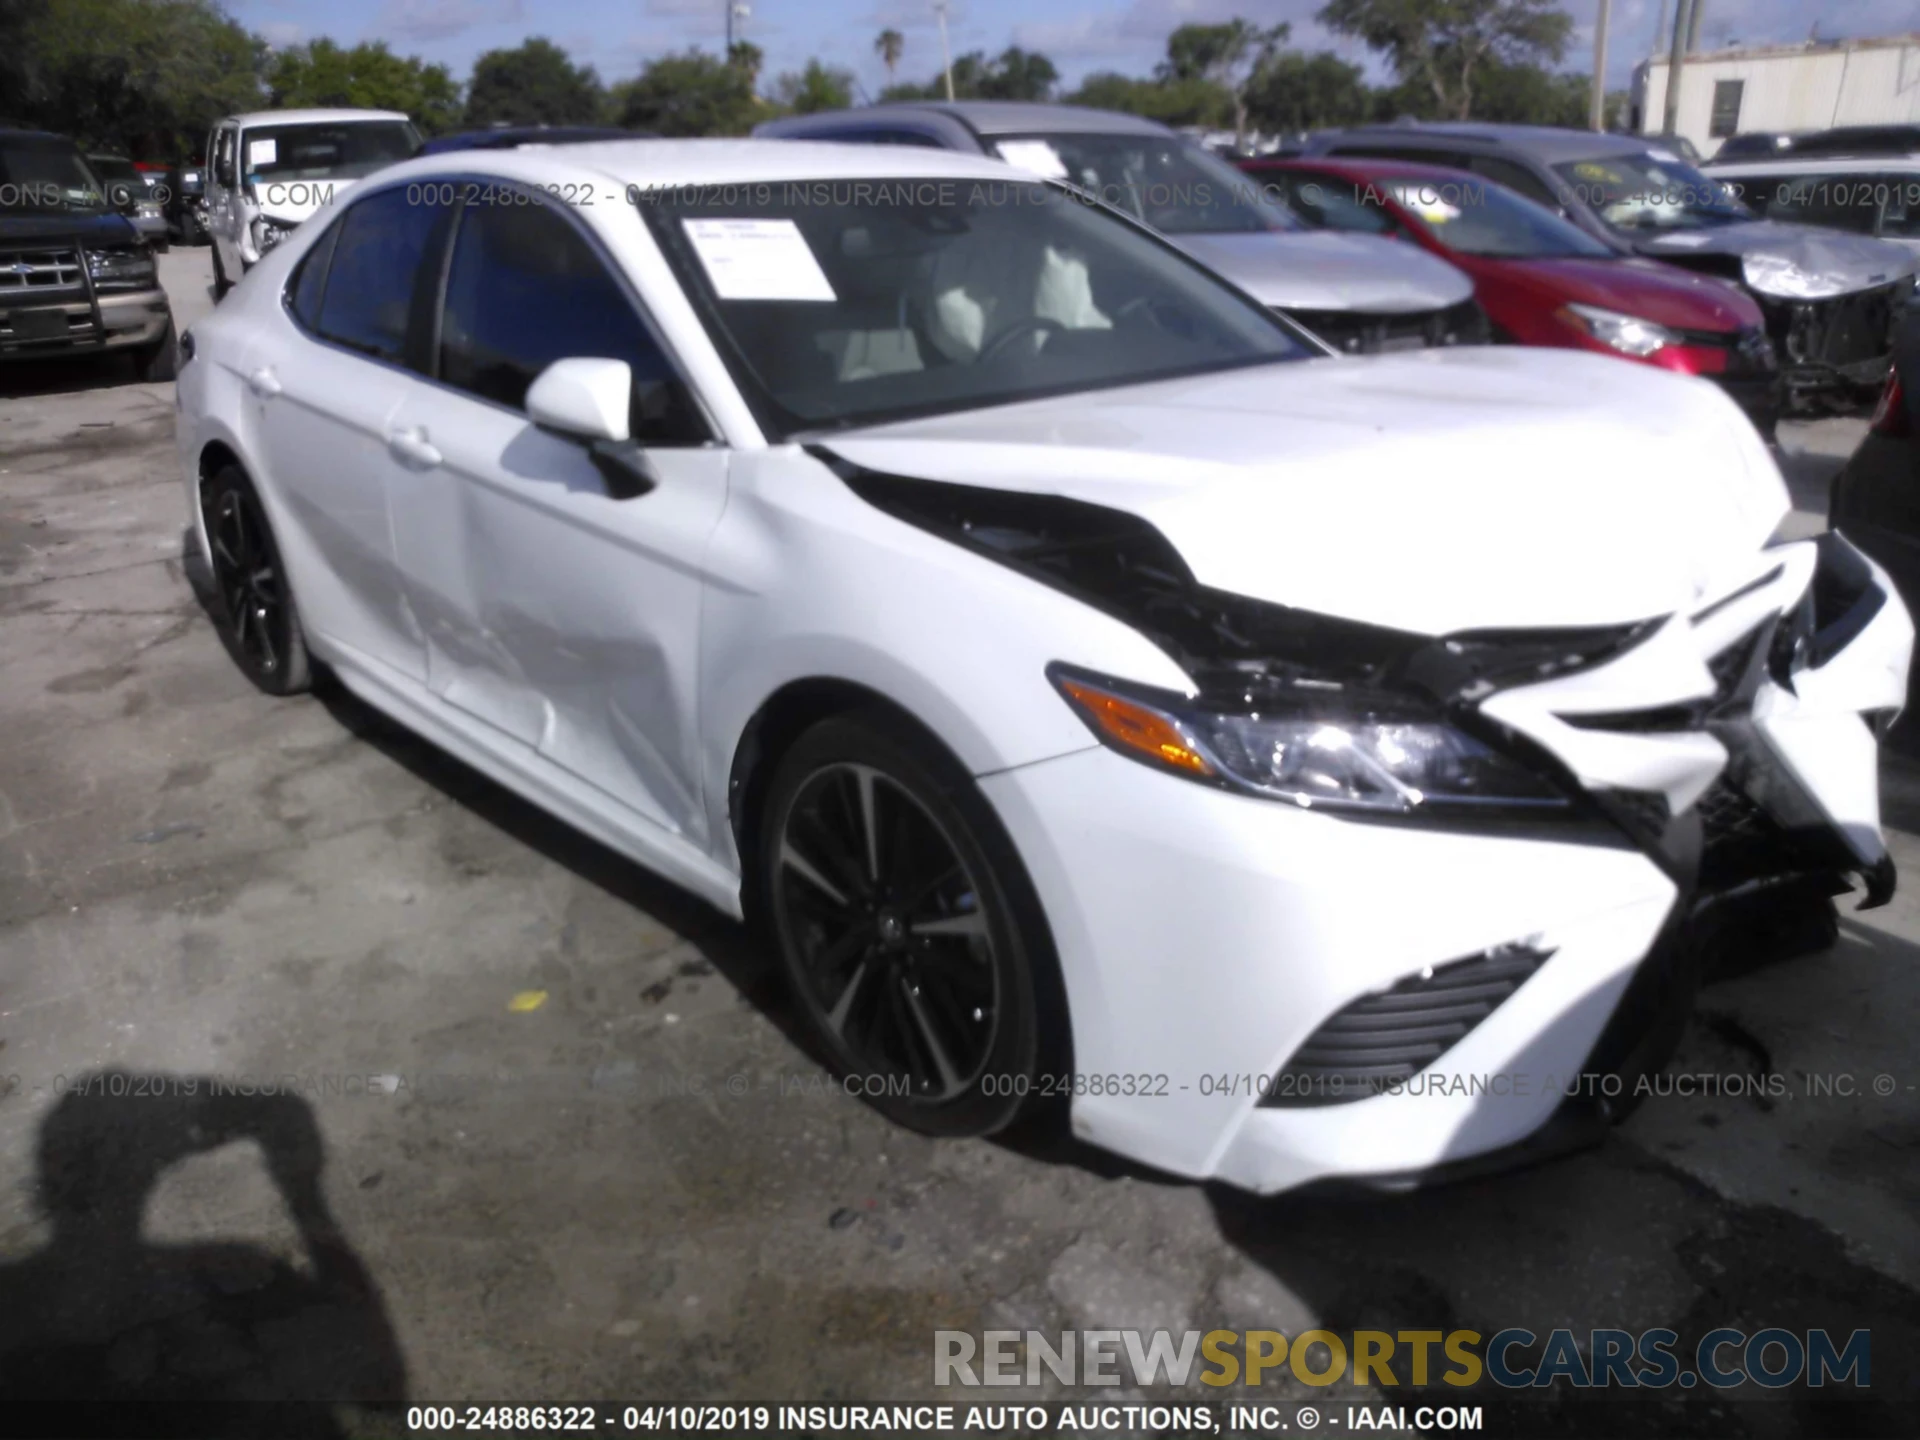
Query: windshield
x=341 y=149
x=1836 y=202
x=1163 y=181
x=847 y=303
x=1652 y=191
x=1476 y=217
x=47 y=176
x=1326 y=202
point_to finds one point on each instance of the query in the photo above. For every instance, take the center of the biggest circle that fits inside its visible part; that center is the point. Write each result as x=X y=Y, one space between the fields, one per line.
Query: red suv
x=1541 y=279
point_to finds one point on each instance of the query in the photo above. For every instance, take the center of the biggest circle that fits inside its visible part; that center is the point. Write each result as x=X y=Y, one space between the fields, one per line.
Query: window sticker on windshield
x=1035 y=155
x=1425 y=201
x=1683 y=242
x=758 y=260
x=1665 y=157
x=262 y=152
x=1590 y=170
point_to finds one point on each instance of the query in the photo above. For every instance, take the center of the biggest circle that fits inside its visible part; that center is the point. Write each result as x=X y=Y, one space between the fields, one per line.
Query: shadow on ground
x=103 y=1331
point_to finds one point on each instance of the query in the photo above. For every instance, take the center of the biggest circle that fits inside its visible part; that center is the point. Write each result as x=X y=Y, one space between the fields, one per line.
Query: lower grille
x=1380 y=1041
x=1358 y=332
x=33 y=271
x=1849 y=334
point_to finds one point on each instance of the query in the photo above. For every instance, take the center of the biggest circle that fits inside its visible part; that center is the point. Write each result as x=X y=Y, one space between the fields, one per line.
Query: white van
x=268 y=171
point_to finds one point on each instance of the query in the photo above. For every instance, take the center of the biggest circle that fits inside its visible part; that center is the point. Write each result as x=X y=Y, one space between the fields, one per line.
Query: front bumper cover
x=1207 y=937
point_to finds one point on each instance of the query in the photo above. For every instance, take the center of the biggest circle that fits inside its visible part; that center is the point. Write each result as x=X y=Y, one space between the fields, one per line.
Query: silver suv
x=1360 y=293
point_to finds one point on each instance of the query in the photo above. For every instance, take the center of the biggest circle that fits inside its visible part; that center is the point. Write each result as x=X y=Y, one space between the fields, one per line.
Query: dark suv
x=1831 y=301
x=75 y=277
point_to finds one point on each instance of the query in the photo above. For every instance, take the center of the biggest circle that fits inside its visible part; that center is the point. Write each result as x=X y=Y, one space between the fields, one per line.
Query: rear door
x=565 y=619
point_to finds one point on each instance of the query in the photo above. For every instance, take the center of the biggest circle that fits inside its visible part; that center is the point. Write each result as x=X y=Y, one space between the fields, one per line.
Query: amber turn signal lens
x=1137 y=728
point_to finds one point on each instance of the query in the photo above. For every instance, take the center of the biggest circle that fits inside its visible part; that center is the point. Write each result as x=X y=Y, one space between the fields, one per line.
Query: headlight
x=125 y=269
x=1628 y=334
x=269 y=233
x=1376 y=763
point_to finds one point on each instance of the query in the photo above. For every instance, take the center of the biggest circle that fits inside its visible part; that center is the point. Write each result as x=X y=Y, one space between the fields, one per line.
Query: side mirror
x=592 y=400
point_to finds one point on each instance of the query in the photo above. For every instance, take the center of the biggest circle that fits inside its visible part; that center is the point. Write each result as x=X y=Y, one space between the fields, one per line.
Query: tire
x=221 y=285
x=920 y=962
x=259 y=623
x=160 y=360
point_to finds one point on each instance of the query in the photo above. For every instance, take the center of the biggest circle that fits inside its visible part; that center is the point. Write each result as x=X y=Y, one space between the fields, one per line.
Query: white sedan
x=1301 y=766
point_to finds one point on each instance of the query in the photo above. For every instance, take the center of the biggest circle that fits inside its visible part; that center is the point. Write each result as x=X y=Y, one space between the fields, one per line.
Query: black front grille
x=1740 y=842
x=1847 y=333
x=1383 y=1040
x=1359 y=332
x=38 y=270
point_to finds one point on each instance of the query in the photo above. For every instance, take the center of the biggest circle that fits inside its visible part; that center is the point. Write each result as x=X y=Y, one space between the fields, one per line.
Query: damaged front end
x=1735 y=744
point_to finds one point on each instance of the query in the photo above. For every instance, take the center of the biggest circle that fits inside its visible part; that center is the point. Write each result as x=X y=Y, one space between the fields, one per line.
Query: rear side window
x=309 y=281
x=1516 y=178
x=525 y=289
x=370 y=282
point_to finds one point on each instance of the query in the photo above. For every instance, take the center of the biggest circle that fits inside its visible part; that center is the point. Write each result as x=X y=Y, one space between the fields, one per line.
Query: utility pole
x=1693 y=26
x=946 y=55
x=1676 y=62
x=736 y=10
x=1597 y=103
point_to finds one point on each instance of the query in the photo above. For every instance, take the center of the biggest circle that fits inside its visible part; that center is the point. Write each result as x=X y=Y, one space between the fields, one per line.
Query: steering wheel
x=1032 y=325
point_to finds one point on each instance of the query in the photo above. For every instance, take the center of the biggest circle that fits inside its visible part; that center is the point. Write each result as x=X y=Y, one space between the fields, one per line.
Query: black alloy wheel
x=906 y=926
x=260 y=625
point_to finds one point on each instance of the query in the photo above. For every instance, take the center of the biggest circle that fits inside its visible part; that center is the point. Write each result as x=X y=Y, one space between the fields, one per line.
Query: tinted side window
x=370 y=282
x=309 y=282
x=1515 y=177
x=223 y=156
x=526 y=289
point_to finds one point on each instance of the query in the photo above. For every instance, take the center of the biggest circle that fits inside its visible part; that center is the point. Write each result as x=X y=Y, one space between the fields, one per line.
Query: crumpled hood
x=1328 y=270
x=1793 y=262
x=1432 y=491
x=291 y=202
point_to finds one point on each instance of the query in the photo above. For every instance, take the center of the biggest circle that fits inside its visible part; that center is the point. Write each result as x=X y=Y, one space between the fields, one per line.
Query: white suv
x=268 y=171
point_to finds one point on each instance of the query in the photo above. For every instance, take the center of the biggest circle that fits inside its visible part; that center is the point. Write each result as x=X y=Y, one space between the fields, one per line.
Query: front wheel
x=221 y=284
x=160 y=360
x=907 y=927
x=259 y=623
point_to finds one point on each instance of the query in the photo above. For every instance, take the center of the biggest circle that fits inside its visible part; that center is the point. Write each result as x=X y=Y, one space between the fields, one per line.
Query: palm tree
x=888 y=46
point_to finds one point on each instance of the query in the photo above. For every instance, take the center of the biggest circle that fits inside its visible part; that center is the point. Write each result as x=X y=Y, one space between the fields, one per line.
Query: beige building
x=1814 y=86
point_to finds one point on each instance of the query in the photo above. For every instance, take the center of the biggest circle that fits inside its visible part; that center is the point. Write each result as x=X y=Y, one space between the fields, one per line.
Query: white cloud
x=441 y=19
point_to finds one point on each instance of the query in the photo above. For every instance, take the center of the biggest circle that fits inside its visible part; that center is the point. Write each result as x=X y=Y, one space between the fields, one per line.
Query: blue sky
x=617 y=36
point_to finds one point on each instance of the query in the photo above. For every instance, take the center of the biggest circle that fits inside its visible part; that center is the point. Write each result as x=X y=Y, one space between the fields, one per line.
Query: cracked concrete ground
x=573 y=1198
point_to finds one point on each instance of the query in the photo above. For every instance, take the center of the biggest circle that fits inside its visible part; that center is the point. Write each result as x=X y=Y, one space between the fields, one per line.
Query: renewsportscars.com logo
x=1514 y=1358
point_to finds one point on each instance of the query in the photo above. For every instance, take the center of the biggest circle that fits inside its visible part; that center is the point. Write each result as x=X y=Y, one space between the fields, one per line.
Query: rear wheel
x=259 y=622
x=221 y=284
x=906 y=926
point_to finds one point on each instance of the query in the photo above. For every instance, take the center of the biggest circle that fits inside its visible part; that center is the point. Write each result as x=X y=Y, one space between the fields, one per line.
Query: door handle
x=411 y=448
x=264 y=383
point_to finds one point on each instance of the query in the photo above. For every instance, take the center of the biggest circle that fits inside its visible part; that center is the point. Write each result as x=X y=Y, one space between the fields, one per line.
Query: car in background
x=1875 y=501
x=270 y=170
x=1543 y=280
x=75 y=277
x=1862 y=196
x=133 y=195
x=1360 y=294
x=1756 y=145
x=186 y=201
x=1070 y=666
x=1830 y=301
x=504 y=137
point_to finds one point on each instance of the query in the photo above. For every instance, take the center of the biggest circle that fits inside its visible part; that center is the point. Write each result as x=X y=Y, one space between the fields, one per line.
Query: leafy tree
x=145 y=77
x=816 y=88
x=747 y=56
x=692 y=93
x=1227 y=55
x=1442 y=44
x=1530 y=95
x=1295 y=91
x=533 y=84
x=1014 y=74
x=1171 y=102
x=368 y=76
x=889 y=45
